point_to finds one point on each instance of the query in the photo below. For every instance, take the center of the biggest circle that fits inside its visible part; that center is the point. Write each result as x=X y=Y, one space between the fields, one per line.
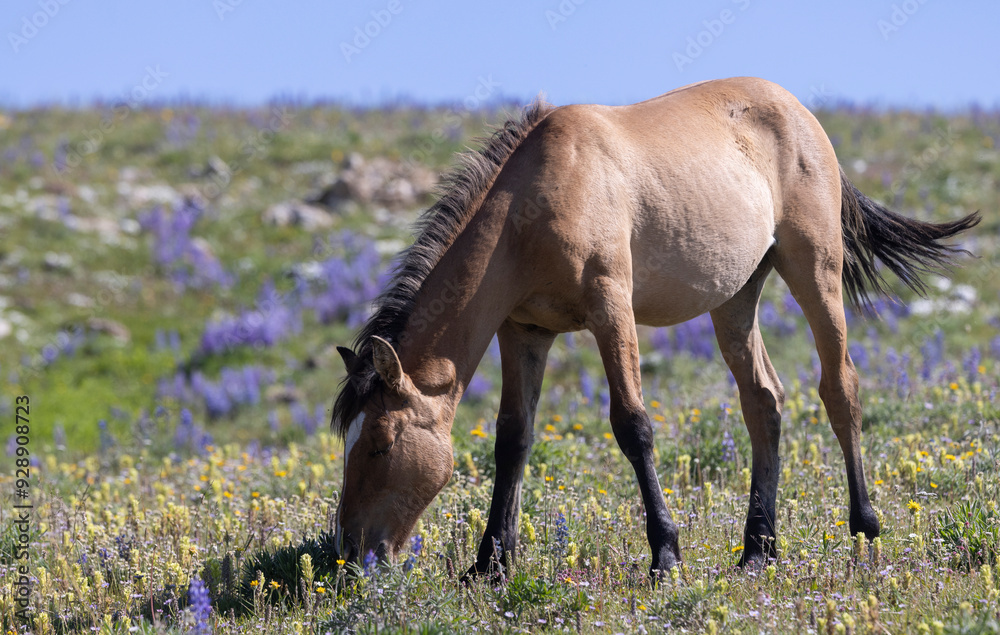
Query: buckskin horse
x=599 y=218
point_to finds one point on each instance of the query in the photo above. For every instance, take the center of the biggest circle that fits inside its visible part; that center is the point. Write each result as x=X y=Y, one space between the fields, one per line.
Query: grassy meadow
x=174 y=337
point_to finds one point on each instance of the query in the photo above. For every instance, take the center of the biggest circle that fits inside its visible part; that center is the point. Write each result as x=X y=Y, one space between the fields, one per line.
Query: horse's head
x=397 y=454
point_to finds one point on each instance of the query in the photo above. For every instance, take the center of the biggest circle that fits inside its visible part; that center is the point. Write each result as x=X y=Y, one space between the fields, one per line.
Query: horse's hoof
x=752 y=562
x=756 y=558
x=491 y=572
x=469 y=577
x=661 y=567
x=865 y=521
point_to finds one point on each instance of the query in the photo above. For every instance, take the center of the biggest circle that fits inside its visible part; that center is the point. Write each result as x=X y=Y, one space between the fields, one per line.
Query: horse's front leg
x=523 y=351
x=611 y=320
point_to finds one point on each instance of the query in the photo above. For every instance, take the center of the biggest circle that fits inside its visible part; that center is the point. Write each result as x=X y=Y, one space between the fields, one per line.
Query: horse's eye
x=384 y=451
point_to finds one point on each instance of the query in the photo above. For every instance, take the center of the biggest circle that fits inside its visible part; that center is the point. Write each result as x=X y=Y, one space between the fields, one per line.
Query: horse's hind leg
x=610 y=319
x=761 y=397
x=523 y=353
x=811 y=262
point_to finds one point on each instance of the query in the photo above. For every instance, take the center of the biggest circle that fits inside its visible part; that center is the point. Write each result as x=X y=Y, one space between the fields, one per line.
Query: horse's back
x=688 y=188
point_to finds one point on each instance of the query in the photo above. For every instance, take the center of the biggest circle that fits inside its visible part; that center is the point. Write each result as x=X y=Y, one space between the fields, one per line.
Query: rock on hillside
x=379 y=181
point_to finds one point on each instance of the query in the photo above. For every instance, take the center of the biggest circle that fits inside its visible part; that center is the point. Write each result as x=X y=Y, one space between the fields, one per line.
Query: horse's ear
x=387 y=363
x=348 y=356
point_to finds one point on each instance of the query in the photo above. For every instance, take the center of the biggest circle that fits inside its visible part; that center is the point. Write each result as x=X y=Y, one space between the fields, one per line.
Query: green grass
x=124 y=520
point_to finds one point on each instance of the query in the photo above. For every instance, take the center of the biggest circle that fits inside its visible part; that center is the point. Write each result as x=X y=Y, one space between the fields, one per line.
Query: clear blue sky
x=886 y=52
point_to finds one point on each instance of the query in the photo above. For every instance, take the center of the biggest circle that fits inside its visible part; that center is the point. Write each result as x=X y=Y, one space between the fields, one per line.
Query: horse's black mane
x=436 y=230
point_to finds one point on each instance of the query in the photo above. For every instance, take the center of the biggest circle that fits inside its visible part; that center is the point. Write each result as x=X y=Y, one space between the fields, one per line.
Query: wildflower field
x=173 y=285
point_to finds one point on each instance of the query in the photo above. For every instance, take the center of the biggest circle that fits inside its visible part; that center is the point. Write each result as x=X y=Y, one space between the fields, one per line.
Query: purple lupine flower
x=859 y=354
x=107 y=440
x=201 y=606
x=494 y=350
x=344 y=286
x=301 y=418
x=417 y=545
x=932 y=353
x=971 y=362
x=586 y=385
x=479 y=387
x=59 y=156
x=903 y=384
x=273 y=320
x=562 y=534
x=605 y=398
x=696 y=337
x=769 y=317
x=369 y=563
x=185 y=429
x=217 y=402
x=185 y=260
x=235 y=388
x=790 y=305
x=570 y=340
x=728 y=447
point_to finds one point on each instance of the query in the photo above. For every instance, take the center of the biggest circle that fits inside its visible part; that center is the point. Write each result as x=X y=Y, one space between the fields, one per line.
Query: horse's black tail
x=907 y=247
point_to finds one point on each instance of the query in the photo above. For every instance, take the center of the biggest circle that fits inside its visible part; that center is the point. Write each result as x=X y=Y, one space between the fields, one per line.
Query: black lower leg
x=635 y=438
x=759 y=533
x=500 y=538
x=863 y=519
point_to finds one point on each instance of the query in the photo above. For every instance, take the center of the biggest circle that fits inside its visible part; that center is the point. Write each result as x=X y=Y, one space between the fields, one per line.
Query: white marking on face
x=353 y=434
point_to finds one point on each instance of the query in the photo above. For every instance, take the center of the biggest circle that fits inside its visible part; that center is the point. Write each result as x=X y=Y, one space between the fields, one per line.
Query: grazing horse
x=599 y=218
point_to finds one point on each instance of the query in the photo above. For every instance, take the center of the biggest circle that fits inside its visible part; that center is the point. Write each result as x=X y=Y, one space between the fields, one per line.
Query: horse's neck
x=461 y=304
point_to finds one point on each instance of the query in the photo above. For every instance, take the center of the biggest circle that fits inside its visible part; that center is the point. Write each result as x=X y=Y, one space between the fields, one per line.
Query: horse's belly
x=674 y=285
